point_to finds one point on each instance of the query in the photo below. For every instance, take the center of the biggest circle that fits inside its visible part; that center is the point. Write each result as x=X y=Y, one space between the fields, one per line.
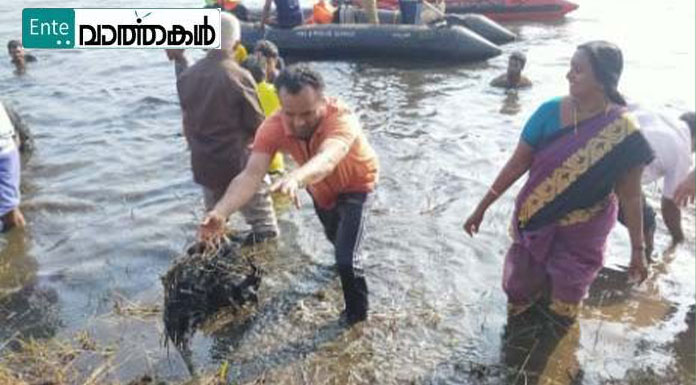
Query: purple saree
x=566 y=209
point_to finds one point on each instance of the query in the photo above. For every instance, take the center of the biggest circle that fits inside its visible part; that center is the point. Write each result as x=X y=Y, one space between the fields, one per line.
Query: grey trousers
x=370 y=8
x=258 y=212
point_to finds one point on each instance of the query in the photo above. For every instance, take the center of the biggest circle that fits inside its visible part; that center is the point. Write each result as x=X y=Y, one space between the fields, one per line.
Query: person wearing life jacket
x=10 y=171
x=268 y=97
x=322 y=13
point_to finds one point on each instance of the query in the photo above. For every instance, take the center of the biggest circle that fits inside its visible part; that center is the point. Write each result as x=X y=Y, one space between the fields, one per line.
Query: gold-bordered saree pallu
x=567 y=208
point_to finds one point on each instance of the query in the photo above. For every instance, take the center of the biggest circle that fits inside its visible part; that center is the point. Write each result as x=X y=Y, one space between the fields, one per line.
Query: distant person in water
x=10 y=215
x=672 y=142
x=513 y=78
x=18 y=56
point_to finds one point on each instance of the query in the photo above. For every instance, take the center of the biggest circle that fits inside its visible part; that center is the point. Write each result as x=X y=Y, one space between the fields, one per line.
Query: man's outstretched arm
x=329 y=155
x=238 y=193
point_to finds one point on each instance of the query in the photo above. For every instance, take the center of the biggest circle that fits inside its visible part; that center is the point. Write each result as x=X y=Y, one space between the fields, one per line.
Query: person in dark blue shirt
x=288 y=13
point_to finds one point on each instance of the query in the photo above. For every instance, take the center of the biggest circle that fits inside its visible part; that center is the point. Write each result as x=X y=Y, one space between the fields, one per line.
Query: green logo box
x=48 y=27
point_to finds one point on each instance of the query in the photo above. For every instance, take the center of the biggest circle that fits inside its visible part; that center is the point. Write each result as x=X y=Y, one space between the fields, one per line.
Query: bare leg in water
x=14 y=218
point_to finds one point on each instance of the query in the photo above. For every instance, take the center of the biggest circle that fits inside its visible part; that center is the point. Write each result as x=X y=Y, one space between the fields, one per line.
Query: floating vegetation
x=203 y=282
x=55 y=362
x=127 y=308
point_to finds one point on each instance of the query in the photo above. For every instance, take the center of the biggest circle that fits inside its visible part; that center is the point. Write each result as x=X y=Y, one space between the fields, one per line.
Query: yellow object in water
x=270 y=104
x=240 y=53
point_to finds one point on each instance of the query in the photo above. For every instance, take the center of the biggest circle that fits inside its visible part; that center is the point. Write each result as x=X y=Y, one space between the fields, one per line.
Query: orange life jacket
x=228 y=5
x=323 y=12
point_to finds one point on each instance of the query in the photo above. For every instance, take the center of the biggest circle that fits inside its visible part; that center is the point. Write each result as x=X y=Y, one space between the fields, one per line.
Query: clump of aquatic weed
x=201 y=283
x=127 y=308
x=209 y=288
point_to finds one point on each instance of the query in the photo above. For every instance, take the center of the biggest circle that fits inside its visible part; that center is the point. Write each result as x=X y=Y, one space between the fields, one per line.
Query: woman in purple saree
x=584 y=156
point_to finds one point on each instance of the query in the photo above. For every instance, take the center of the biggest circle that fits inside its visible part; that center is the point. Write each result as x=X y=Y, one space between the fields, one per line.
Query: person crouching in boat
x=582 y=151
x=335 y=162
x=513 y=78
x=268 y=97
x=288 y=14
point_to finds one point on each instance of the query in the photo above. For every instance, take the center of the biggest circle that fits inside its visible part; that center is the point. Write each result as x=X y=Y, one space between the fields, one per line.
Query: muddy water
x=110 y=203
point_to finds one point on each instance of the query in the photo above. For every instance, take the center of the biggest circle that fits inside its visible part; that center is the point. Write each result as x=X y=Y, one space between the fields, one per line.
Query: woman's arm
x=628 y=188
x=516 y=166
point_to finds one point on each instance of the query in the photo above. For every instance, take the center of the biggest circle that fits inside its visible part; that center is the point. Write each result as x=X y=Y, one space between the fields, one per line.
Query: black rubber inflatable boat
x=441 y=42
x=487 y=28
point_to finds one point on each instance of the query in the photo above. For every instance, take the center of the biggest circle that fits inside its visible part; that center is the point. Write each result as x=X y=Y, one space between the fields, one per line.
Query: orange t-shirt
x=357 y=172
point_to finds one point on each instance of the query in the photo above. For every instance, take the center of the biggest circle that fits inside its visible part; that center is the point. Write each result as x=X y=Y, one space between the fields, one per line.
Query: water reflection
x=511 y=103
x=27 y=309
x=539 y=348
x=684 y=348
x=612 y=298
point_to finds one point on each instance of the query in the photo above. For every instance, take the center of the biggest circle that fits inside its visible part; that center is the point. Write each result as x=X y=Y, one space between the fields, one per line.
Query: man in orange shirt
x=336 y=164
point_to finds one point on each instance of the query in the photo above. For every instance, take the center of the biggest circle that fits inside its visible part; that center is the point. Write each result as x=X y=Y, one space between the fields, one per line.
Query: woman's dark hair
x=294 y=78
x=607 y=63
x=256 y=67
